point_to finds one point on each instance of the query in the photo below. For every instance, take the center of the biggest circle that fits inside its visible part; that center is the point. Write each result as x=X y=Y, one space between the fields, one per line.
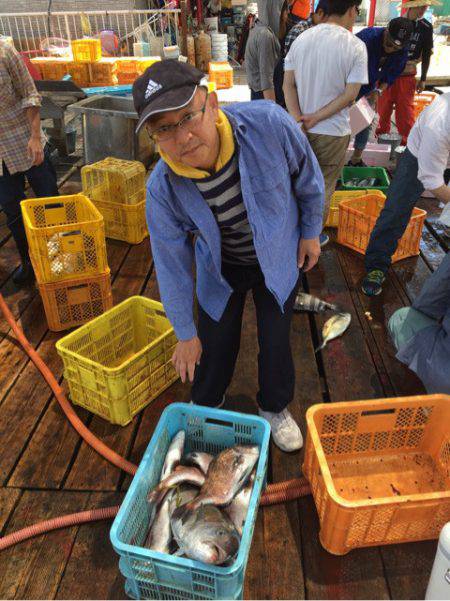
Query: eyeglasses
x=188 y=122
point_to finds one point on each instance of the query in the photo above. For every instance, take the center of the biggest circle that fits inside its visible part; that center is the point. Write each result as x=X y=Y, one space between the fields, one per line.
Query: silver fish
x=160 y=533
x=190 y=475
x=334 y=327
x=237 y=509
x=227 y=474
x=308 y=302
x=198 y=459
x=173 y=455
x=205 y=534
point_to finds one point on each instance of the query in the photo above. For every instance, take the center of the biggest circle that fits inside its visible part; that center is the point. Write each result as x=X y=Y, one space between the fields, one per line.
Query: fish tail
x=319 y=348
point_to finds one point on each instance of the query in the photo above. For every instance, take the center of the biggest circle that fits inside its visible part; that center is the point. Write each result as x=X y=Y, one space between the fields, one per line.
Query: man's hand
x=308 y=253
x=309 y=121
x=35 y=151
x=420 y=87
x=186 y=356
x=372 y=99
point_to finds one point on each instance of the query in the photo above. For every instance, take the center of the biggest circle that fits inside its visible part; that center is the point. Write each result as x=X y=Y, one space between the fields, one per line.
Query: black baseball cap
x=322 y=5
x=400 y=30
x=167 y=85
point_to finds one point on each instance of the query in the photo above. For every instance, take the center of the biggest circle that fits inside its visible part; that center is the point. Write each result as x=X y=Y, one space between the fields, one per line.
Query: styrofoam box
x=374 y=155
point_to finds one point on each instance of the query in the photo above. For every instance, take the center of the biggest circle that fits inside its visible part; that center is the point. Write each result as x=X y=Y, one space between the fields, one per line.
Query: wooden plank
x=397 y=379
x=8 y=500
x=408 y=568
x=33 y=569
x=53 y=441
x=357 y=575
x=9 y=259
x=87 y=471
x=430 y=249
x=92 y=571
x=347 y=361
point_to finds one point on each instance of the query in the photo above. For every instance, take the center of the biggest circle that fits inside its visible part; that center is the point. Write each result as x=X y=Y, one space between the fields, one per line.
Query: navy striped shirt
x=222 y=191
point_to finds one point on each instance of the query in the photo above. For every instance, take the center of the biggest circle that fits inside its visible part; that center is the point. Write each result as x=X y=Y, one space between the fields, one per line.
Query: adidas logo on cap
x=152 y=88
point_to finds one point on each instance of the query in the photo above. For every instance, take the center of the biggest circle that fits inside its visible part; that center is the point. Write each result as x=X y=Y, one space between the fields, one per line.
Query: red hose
x=275 y=493
x=84 y=432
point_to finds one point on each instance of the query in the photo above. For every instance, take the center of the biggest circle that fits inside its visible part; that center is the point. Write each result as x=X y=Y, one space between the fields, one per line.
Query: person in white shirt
x=324 y=70
x=421 y=168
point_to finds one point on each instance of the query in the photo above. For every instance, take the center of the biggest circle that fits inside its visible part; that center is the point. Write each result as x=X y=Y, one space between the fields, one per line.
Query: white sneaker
x=285 y=432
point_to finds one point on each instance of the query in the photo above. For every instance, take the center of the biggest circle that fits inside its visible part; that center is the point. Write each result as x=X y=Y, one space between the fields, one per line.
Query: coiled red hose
x=279 y=492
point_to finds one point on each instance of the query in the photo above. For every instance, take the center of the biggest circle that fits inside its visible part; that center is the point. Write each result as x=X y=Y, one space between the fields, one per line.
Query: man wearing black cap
x=387 y=51
x=246 y=186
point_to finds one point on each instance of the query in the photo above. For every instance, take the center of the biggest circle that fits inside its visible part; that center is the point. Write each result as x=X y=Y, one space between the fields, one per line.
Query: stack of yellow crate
x=117 y=188
x=66 y=238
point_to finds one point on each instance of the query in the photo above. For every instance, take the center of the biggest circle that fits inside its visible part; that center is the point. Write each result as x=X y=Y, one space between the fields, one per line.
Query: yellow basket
x=51 y=68
x=114 y=180
x=74 y=302
x=339 y=196
x=66 y=236
x=379 y=470
x=103 y=72
x=124 y=222
x=144 y=62
x=79 y=72
x=86 y=50
x=119 y=362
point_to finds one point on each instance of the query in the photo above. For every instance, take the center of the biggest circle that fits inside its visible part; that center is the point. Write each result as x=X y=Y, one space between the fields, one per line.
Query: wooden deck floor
x=46 y=471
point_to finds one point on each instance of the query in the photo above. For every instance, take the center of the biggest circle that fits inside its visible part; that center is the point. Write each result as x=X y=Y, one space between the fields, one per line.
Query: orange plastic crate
x=379 y=470
x=86 y=50
x=79 y=72
x=421 y=101
x=74 y=302
x=51 y=68
x=127 y=70
x=221 y=74
x=103 y=72
x=357 y=218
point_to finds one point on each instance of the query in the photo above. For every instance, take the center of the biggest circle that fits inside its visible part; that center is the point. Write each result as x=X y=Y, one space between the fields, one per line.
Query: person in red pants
x=401 y=94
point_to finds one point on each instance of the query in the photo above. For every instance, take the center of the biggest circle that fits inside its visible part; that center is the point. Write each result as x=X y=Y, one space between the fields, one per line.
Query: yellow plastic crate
x=144 y=62
x=339 y=196
x=115 y=181
x=66 y=236
x=51 y=68
x=124 y=222
x=103 y=72
x=127 y=69
x=119 y=362
x=72 y=303
x=86 y=50
x=379 y=470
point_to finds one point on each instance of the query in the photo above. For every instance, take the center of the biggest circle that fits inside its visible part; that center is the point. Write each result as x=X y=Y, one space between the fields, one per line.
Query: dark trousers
x=256 y=95
x=402 y=196
x=221 y=341
x=42 y=179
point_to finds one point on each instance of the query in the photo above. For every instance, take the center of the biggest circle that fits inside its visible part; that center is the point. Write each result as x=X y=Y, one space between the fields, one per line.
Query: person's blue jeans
x=42 y=180
x=402 y=196
x=362 y=138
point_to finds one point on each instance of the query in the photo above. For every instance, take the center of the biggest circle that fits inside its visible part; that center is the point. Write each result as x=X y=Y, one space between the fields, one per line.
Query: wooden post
x=184 y=31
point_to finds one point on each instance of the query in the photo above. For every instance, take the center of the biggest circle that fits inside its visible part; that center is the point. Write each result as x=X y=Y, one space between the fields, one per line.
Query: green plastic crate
x=380 y=173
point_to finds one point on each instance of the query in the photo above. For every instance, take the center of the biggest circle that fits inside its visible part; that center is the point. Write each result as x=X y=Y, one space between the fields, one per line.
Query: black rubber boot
x=25 y=273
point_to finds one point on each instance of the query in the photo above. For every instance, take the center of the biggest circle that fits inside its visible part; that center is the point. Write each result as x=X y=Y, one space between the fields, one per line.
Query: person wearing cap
x=319 y=15
x=420 y=168
x=387 y=51
x=323 y=73
x=263 y=47
x=245 y=185
x=401 y=94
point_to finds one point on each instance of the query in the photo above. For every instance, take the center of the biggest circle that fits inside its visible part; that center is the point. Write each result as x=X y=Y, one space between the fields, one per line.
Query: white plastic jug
x=439 y=585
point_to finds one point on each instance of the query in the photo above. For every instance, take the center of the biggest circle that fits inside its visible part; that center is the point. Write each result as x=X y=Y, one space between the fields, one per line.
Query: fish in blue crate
x=199 y=507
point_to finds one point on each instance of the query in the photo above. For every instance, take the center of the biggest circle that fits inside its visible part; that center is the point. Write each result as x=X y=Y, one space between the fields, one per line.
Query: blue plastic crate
x=152 y=575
